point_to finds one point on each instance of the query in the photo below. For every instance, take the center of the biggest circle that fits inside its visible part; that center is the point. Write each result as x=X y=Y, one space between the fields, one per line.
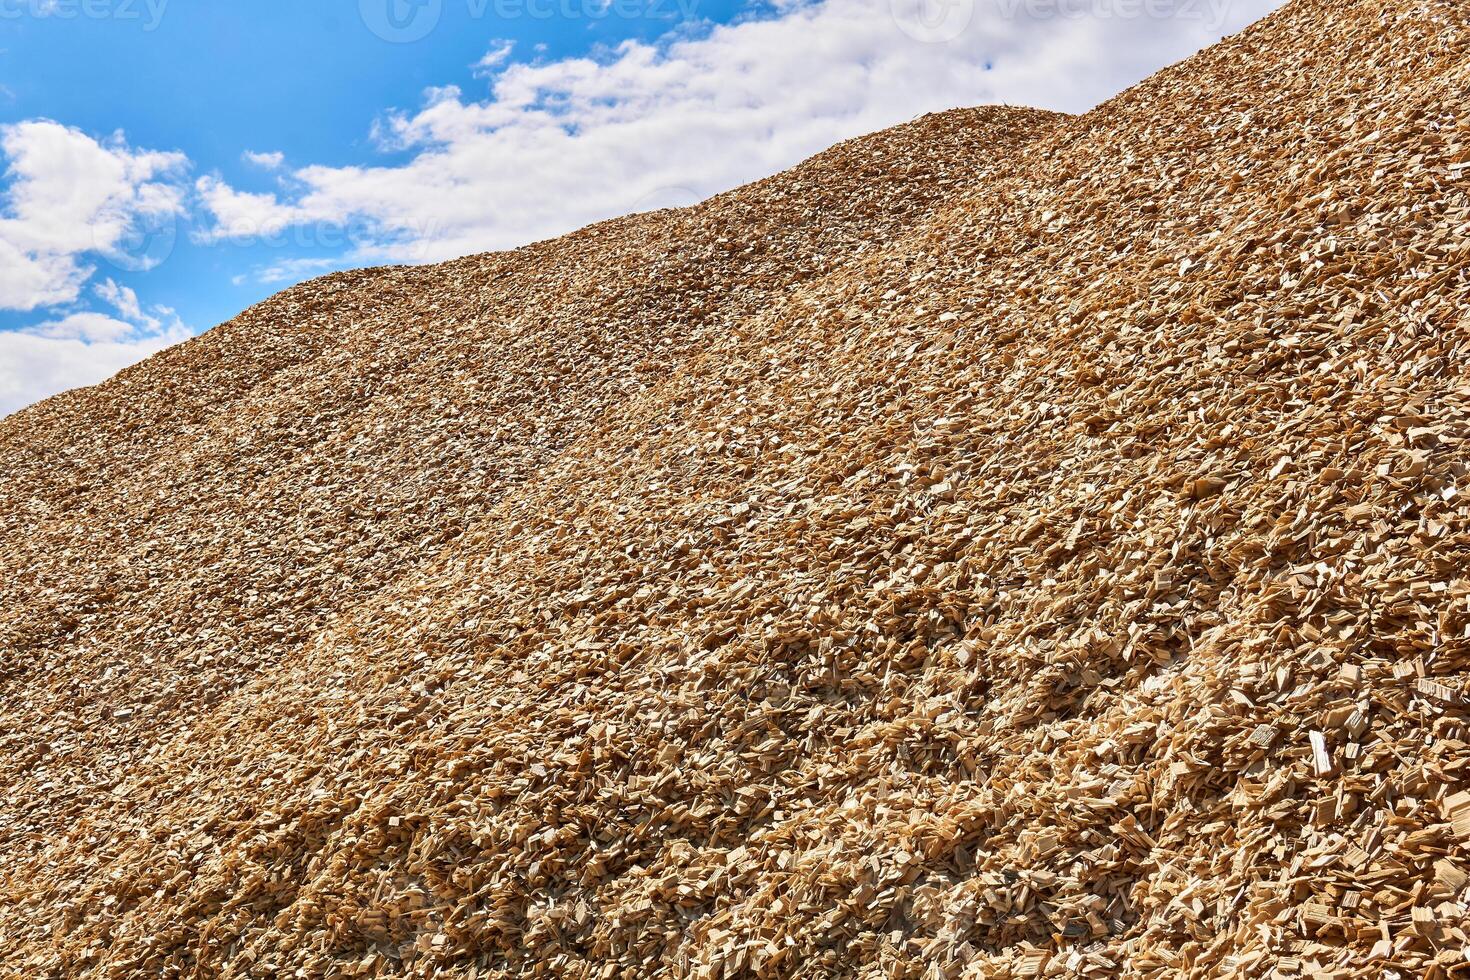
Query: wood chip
x=1010 y=544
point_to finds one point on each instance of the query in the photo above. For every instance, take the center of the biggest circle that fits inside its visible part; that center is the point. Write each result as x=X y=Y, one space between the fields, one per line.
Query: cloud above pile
x=82 y=347
x=557 y=144
x=69 y=196
x=69 y=202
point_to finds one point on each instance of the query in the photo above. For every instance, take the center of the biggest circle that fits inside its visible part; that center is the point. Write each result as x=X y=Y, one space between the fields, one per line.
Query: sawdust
x=1007 y=545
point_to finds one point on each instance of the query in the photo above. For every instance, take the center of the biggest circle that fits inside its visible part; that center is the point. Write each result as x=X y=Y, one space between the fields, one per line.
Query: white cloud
x=69 y=199
x=119 y=297
x=34 y=365
x=82 y=347
x=562 y=143
x=499 y=51
x=86 y=325
x=240 y=214
x=294 y=270
x=266 y=161
x=32 y=279
x=68 y=196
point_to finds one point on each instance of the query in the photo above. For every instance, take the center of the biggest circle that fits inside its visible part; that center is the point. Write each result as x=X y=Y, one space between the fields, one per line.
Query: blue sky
x=170 y=162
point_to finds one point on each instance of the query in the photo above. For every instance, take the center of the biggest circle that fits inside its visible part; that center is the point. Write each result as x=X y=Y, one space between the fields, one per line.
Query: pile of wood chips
x=1008 y=545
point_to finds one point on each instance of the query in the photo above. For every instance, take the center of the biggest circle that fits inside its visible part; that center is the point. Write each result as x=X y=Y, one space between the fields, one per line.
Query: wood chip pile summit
x=1008 y=545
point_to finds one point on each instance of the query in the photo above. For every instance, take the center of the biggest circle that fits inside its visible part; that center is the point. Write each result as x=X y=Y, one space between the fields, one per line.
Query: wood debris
x=1006 y=545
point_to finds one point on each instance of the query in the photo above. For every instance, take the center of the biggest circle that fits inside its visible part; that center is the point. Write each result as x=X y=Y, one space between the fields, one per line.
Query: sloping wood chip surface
x=1008 y=545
